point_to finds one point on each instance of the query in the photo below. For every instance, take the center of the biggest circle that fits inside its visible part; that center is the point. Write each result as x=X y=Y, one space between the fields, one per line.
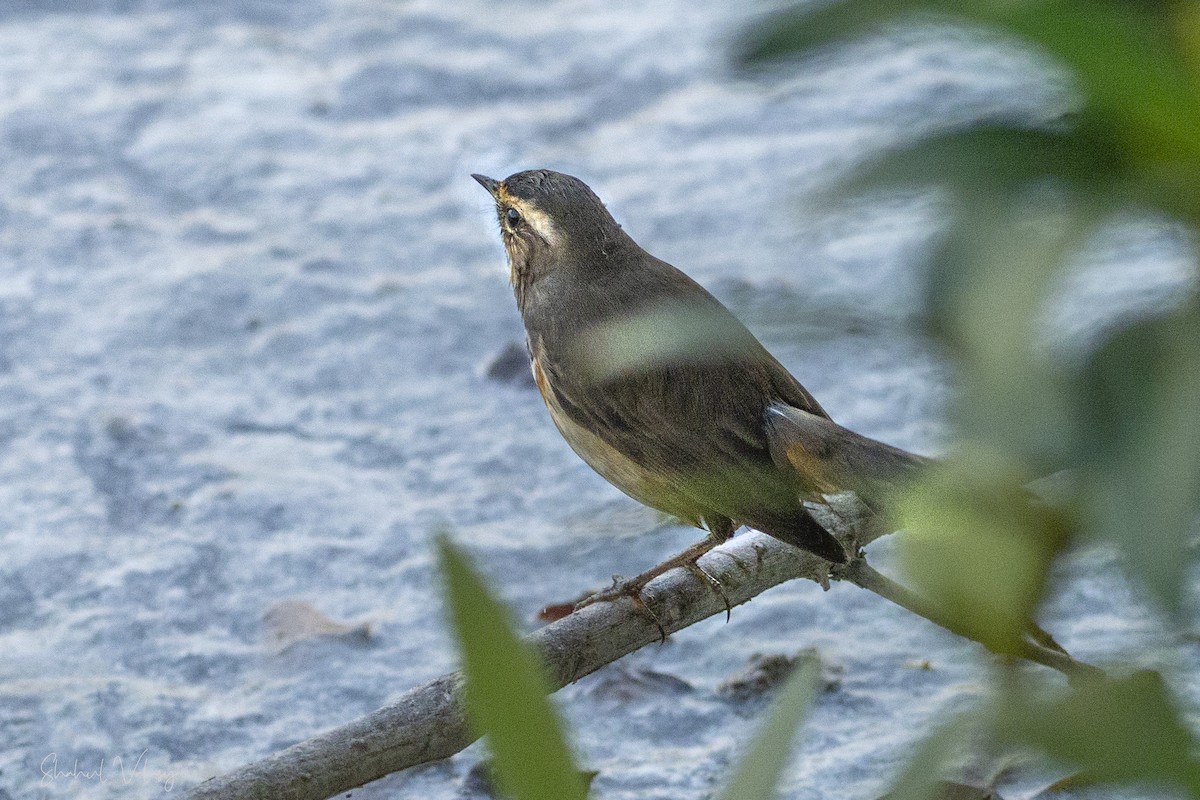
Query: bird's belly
x=630 y=477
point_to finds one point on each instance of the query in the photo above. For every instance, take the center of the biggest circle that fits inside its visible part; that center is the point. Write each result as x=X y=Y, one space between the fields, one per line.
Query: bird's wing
x=836 y=459
x=701 y=423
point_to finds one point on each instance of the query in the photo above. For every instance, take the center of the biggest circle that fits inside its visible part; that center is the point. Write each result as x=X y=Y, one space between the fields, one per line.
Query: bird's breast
x=644 y=485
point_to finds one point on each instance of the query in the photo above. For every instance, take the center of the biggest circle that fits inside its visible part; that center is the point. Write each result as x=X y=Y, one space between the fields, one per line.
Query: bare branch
x=428 y=723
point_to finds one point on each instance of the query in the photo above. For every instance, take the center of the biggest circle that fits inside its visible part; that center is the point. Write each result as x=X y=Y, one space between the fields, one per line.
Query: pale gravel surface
x=247 y=295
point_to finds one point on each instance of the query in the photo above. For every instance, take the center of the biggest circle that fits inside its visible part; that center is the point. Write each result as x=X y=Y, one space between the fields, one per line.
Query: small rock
x=511 y=365
x=478 y=782
x=626 y=684
x=763 y=673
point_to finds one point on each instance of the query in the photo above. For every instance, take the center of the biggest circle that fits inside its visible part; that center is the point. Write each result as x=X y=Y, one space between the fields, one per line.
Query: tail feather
x=804 y=531
x=830 y=459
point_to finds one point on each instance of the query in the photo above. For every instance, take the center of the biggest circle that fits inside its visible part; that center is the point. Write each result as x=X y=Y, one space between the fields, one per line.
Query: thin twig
x=862 y=574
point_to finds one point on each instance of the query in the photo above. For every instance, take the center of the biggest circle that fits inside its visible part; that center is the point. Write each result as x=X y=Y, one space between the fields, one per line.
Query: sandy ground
x=248 y=295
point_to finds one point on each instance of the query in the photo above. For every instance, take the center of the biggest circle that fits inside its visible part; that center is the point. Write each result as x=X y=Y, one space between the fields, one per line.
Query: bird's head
x=550 y=221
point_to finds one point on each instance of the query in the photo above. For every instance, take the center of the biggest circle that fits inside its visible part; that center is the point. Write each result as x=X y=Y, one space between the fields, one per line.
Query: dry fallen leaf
x=292 y=621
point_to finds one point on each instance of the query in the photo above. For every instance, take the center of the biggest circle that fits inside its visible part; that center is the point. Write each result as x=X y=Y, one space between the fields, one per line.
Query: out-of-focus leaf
x=802 y=29
x=1127 y=56
x=922 y=777
x=506 y=691
x=1127 y=62
x=1170 y=188
x=996 y=161
x=1126 y=729
x=756 y=776
x=659 y=333
x=1023 y=201
x=1139 y=405
x=995 y=164
x=978 y=549
x=1185 y=20
x=986 y=294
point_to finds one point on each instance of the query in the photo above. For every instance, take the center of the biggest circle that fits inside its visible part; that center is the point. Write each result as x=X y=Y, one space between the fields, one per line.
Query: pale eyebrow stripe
x=537 y=219
x=541 y=223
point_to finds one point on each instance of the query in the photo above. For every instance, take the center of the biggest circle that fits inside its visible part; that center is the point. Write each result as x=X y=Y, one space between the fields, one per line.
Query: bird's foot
x=621 y=587
x=714 y=584
x=632 y=589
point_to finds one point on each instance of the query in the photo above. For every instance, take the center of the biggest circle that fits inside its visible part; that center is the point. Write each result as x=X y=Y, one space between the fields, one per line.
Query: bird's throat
x=520 y=276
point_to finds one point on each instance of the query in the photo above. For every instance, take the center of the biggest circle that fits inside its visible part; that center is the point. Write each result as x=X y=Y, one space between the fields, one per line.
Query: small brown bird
x=661 y=390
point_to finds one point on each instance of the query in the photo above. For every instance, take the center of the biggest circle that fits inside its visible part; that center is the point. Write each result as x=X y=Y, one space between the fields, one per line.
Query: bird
x=659 y=388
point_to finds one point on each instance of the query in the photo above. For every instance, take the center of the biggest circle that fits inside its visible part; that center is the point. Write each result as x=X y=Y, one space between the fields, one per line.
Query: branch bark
x=428 y=723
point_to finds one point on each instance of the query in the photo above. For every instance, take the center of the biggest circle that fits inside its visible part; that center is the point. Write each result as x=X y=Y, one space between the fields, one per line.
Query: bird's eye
x=513 y=216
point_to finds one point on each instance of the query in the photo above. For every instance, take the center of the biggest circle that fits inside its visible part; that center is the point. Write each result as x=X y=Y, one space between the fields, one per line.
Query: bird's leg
x=632 y=587
x=720 y=529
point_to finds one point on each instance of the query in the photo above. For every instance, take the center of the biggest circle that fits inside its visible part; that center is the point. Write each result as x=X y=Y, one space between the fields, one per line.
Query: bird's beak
x=491 y=184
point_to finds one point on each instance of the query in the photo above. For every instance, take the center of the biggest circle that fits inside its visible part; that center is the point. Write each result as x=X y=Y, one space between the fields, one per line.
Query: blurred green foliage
x=1125 y=421
x=757 y=775
x=506 y=692
x=1140 y=433
x=979 y=550
x=1134 y=60
x=1120 y=729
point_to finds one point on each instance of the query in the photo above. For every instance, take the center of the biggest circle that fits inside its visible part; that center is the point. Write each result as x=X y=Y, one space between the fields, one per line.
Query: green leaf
x=800 y=30
x=1139 y=406
x=756 y=776
x=986 y=294
x=977 y=547
x=1136 y=64
x=1129 y=58
x=922 y=777
x=506 y=691
x=1120 y=730
x=1129 y=63
x=996 y=161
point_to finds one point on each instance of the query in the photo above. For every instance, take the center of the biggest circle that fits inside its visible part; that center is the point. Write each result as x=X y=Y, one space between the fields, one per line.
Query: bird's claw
x=631 y=589
x=713 y=584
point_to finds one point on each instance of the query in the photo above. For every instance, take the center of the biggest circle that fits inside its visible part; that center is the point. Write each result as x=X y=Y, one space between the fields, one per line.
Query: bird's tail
x=830 y=459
